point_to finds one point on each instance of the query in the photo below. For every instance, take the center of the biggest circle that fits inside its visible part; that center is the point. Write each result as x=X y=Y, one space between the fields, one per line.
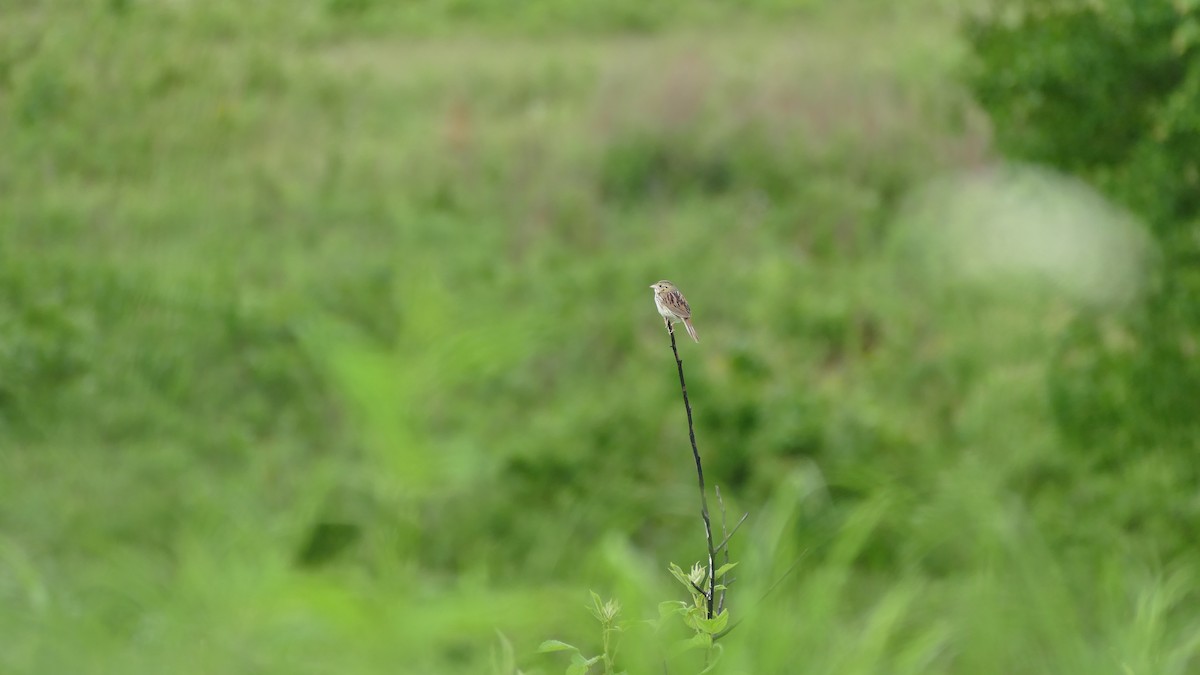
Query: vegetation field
x=327 y=343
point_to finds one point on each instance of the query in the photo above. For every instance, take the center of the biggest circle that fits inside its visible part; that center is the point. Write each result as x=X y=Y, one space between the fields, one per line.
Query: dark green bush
x=1110 y=91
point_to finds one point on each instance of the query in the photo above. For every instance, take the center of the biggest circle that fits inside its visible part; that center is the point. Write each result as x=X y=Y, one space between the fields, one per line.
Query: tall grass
x=326 y=346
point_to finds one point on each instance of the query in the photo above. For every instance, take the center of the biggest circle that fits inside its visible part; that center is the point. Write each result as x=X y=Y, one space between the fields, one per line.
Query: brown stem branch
x=712 y=552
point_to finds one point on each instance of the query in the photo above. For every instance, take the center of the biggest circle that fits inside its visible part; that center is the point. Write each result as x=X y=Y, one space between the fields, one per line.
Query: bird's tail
x=687 y=323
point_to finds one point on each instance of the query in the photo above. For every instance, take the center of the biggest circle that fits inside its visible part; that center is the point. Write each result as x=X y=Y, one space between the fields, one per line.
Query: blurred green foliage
x=326 y=345
x=1110 y=91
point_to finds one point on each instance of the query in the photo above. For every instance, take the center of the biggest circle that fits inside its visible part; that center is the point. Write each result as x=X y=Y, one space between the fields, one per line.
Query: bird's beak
x=651 y=285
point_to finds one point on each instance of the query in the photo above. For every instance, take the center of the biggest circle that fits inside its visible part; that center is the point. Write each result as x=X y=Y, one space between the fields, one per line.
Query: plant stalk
x=712 y=552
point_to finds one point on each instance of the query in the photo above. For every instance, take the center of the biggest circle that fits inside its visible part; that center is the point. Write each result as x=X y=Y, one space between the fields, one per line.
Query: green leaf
x=714 y=625
x=556 y=646
x=670 y=608
x=580 y=665
x=505 y=661
x=697 y=641
x=725 y=568
x=713 y=657
x=695 y=616
x=605 y=612
x=678 y=573
x=597 y=608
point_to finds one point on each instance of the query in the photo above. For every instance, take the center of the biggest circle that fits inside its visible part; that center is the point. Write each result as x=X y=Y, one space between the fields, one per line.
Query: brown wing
x=674 y=300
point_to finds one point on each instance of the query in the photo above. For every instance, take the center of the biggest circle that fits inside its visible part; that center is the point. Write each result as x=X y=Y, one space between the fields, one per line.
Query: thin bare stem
x=712 y=551
x=729 y=536
x=725 y=534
